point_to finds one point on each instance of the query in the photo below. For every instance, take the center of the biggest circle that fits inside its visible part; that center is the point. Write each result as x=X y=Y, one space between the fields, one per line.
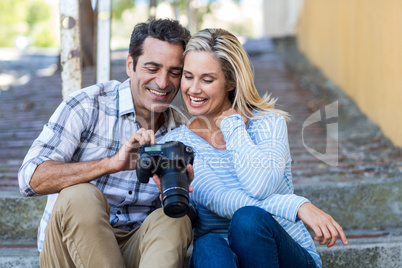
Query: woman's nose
x=195 y=88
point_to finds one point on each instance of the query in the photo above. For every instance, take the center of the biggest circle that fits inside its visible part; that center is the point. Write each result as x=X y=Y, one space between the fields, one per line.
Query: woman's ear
x=232 y=93
x=228 y=89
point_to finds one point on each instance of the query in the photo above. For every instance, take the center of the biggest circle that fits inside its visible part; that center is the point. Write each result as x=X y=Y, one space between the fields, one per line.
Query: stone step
x=19 y=217
x=369 y=204
x=373 y=249
x=366 y=249
x=19 y=253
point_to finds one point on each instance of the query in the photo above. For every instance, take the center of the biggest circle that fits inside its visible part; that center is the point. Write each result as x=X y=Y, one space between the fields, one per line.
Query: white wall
x=280 y=17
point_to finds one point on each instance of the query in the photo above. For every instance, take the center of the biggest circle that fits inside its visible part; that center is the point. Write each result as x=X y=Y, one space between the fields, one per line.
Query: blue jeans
x=255 y=240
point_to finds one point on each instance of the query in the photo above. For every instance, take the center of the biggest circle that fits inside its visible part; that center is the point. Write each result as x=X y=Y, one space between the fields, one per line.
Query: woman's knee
x=249 y=219
x=212 y=250
x=209 y=245
x=209 y=241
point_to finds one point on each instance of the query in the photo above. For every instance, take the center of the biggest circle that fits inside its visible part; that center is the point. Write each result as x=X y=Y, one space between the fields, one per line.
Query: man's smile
x=158 y=93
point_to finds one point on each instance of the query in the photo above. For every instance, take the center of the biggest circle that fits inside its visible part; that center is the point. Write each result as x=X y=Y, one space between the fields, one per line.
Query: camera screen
x=154 y=148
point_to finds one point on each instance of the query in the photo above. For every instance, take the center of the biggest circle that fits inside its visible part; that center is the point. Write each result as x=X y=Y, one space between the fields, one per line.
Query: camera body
x=168 y=161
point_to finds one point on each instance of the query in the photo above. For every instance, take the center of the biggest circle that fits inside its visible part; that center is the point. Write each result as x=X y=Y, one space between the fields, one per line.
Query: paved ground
x=316 y=149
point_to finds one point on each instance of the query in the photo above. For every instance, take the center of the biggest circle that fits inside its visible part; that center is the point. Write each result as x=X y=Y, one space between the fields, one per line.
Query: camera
x=168 y=161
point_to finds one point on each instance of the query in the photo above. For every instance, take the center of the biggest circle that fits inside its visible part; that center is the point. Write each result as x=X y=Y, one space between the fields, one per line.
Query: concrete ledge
x=364 y=253
x=20 y=217
x=365 y=204
x=20 y=257
x=19 y=253
x=373 y=251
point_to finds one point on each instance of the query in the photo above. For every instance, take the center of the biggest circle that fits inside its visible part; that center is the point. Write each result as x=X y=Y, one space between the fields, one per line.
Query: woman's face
x=203 y=85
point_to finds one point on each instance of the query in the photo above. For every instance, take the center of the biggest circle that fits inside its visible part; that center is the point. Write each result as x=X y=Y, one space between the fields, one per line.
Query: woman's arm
x=224 y=201
x=259 y=164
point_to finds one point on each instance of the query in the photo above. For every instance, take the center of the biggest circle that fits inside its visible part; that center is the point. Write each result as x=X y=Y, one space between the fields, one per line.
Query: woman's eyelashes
x=187 y=76
x=204 y=80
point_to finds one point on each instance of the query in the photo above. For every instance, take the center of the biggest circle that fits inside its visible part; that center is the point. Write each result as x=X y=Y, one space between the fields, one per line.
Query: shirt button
x=130 y=192
x=118 y=212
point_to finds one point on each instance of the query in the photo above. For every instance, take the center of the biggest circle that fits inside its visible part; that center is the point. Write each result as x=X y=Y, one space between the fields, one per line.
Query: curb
x=364 y=204
x=19 y=216
x=372 y=252
x=373 y=204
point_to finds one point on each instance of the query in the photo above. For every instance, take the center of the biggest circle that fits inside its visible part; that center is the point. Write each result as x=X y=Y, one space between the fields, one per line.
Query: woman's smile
x=197 y=101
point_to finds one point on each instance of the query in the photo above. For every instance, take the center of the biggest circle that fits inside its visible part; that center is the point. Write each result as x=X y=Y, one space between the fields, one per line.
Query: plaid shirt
x=91 y=124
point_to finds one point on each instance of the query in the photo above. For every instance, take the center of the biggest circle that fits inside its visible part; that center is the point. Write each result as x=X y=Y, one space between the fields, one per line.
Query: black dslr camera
x=168 y=161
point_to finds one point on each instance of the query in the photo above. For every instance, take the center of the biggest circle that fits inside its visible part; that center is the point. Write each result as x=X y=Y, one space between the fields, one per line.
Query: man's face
x=156 y=80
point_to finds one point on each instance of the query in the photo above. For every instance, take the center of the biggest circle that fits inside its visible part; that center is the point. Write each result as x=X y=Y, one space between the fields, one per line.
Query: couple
x=115 y=221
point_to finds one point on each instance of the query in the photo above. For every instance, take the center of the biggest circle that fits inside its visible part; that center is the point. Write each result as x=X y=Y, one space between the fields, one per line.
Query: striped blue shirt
x=255 y=169
x=91 y=124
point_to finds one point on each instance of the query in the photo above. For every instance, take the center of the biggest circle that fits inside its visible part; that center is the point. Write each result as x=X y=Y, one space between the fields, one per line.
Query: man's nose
x=163 y=80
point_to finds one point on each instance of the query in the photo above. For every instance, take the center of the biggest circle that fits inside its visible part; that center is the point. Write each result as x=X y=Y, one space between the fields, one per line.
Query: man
x=113 y=221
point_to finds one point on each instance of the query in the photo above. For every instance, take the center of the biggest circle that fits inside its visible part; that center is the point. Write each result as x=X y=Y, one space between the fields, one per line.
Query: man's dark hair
x=167 y=30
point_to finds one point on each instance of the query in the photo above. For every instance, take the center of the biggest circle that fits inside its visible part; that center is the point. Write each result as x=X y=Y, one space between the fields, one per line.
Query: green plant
x=30 y=18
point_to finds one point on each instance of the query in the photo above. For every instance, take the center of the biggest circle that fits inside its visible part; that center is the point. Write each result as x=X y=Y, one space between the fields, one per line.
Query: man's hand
x=190 y=176
x=126 y=157
x=326 y=229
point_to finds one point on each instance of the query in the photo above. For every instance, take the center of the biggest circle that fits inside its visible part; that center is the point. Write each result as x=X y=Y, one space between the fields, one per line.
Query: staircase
x=19 y=223
x=362 y=191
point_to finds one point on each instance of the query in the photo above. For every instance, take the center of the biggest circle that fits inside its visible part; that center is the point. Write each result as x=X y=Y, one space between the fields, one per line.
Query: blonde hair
x=237 y=69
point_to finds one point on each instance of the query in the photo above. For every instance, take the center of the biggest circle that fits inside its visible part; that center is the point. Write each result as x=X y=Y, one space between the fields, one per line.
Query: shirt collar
x=126 y=106
x=170 y=123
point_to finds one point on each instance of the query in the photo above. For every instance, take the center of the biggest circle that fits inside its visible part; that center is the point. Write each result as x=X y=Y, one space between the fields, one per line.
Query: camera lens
x=175 y=204
x=175 y=194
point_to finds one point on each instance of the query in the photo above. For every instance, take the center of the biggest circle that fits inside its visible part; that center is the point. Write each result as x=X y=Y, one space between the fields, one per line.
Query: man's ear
x=129 y=65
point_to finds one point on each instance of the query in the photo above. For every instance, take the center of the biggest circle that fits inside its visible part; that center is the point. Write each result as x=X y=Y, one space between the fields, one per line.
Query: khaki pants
x=79 y=235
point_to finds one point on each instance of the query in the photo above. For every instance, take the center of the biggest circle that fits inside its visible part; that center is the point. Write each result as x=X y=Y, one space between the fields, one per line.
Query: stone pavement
x=355 y=177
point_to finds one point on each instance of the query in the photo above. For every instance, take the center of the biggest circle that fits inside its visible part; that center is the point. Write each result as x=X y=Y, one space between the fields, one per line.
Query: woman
x=248 y=215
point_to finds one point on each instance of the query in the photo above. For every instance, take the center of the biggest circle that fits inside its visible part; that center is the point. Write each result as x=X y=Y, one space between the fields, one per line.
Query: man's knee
x=170 y=226
x=165 y=240
x=80 y=192
x=84 y=201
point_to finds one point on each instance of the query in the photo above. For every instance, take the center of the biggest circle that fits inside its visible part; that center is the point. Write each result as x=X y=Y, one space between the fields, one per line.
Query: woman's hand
x=190 y=177
x=227 y=113
x=326 y=229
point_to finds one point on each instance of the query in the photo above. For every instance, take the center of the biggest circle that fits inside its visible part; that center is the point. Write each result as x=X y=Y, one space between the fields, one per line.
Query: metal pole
x=103 y=41
x=70 y=54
